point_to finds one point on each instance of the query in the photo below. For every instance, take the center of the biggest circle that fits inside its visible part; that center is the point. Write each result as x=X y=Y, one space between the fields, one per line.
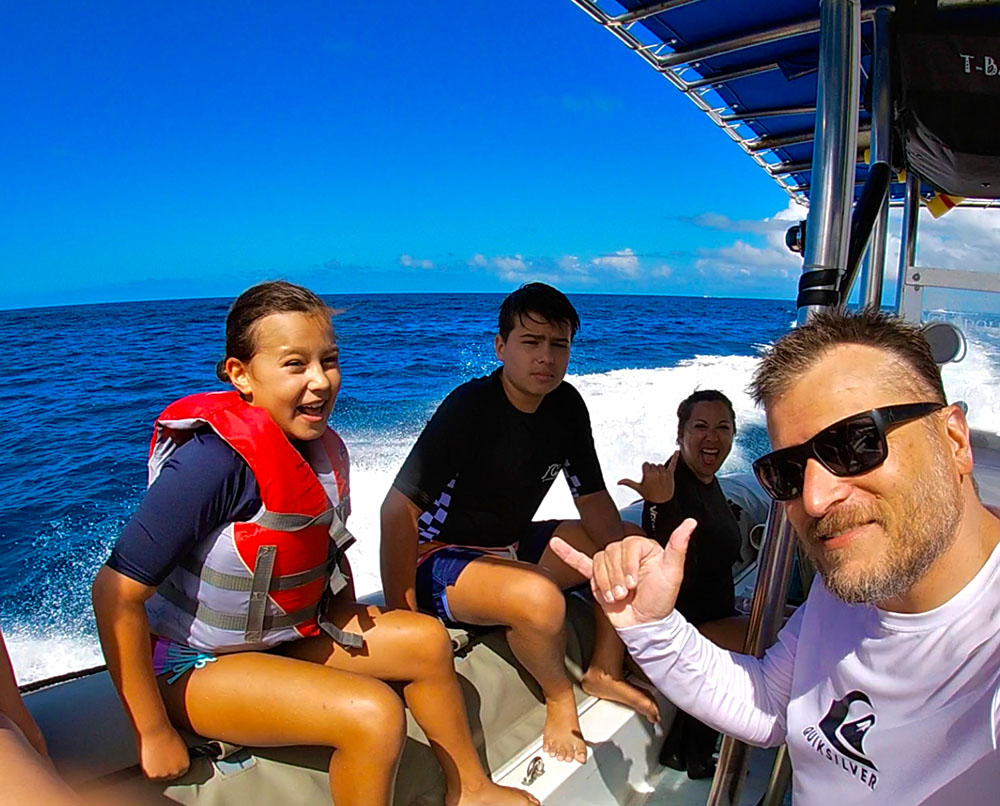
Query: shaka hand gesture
x=636 y=580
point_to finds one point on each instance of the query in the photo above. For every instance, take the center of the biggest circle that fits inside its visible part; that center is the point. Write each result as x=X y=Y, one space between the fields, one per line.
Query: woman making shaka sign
x=687 y=487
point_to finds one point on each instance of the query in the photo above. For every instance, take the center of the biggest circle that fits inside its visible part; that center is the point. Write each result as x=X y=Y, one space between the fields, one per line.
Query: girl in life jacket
x=226 y=607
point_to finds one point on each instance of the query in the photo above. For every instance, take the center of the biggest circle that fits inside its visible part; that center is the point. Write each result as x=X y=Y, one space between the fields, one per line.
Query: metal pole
x=827 y=232
x=766 y=618
x=881 y=128
x=834 y=155
x=650 y=11
x=908 y=239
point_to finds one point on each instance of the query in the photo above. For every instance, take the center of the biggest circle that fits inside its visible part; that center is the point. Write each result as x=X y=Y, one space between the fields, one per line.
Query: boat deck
x=676 y=789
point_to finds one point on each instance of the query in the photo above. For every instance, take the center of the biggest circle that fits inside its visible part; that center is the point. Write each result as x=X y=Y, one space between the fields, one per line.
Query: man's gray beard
x=929 y=525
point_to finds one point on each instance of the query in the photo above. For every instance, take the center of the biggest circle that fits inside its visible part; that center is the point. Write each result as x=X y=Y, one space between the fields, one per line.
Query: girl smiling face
x=707 y=438
x=294 y=372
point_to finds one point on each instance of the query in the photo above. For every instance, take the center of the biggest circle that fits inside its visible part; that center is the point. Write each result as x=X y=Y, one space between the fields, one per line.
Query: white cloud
x=722 y=222
x=623 y=262
x=412 y=262
x=768 y=259
x=518 y=269
x=508 y=264
x=570 y=263
x=621 y=266
x=965 y=238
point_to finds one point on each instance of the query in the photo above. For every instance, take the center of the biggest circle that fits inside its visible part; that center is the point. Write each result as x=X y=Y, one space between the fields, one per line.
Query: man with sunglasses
x=886 y=684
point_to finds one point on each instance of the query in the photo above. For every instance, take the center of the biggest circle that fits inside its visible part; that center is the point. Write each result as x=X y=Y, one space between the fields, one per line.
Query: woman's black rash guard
x=204 y=484
x=707 y=590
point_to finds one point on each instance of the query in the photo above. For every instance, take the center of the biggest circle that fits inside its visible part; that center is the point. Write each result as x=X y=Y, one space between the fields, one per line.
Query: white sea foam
x=633 y=417
x=37 y=657
x=976 y=380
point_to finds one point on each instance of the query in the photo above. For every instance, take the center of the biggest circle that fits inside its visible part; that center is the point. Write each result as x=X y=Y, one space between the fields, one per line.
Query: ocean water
x=81 y=386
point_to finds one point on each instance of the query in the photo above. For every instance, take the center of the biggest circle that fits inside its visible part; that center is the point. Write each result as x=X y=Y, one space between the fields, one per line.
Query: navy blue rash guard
x=203 y=485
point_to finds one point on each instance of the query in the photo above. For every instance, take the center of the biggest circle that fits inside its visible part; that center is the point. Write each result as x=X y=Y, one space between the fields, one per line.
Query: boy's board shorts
x=441 y=565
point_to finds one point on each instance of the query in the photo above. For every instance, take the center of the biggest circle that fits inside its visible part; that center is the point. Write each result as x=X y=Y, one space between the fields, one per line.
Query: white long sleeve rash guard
x=876 y=707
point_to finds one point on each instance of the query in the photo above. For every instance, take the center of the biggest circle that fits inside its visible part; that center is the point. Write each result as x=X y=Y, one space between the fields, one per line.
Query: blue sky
x=162 y=150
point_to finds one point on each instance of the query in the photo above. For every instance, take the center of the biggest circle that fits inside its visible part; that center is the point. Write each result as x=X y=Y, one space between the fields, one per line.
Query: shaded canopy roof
x=752 y=67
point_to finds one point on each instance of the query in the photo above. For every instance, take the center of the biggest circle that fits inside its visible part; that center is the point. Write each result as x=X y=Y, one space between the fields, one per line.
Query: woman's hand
x=657 y=484
x=163 y=754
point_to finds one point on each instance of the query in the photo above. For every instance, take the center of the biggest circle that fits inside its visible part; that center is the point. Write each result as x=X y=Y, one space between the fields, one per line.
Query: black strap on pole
x=866 y=210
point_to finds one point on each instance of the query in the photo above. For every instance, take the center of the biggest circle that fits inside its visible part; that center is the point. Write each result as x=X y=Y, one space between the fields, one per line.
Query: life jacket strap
x=349 y=640
x=338 y=580
x=290 y=521
x=235 y=622
x=234 y=582
x=263 y=570
x=341 y=538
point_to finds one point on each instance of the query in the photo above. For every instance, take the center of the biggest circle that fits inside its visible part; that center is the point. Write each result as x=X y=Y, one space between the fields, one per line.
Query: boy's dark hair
x=796 y=351
x=263 y=299
x=540 y=300
x=686 y=408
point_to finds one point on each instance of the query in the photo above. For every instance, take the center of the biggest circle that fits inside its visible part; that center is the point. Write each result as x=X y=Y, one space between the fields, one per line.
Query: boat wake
x=633 y=413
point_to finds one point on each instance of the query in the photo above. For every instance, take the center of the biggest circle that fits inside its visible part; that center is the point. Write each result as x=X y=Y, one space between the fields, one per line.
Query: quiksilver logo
x=552 y=472
x=840 y=736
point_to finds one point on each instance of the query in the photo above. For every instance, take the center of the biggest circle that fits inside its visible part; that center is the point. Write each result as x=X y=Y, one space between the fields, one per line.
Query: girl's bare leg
x=415 y=649
x=269 y=700
x=27 y=779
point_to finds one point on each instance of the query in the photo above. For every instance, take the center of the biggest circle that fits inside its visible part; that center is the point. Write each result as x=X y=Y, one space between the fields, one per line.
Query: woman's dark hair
x=686 y=408
x=540 y=300
x=263 y=299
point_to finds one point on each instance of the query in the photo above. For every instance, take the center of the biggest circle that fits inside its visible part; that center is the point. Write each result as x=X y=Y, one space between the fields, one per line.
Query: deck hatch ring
x=536 y=769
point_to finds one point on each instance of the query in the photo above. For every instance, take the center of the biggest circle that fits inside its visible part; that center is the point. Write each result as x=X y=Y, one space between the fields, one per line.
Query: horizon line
x=4 y=308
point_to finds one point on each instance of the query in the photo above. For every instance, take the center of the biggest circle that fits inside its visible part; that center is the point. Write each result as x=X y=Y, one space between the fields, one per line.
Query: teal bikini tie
x=181 y=659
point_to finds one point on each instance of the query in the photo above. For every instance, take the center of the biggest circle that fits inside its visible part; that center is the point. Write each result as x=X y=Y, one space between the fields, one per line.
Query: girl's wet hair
x=263 y=299
x=686 y=408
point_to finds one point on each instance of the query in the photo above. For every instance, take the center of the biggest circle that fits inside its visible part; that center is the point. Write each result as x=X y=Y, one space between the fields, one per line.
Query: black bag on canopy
x=948 y=101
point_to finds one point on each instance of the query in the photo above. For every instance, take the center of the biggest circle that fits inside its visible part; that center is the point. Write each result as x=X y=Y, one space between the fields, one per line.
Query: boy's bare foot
x=491 y=794
x=599 y=683
x=562 y=738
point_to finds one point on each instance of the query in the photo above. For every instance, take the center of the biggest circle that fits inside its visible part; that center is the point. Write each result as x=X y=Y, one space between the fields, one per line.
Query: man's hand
x=657 y=484
x=635 y=581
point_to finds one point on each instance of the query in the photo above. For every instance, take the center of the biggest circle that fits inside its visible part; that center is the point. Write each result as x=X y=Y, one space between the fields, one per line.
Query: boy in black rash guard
x=457 y=534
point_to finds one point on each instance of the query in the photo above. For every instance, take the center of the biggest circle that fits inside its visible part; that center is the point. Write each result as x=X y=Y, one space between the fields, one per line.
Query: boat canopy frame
x=716 y=71
x=844 y=157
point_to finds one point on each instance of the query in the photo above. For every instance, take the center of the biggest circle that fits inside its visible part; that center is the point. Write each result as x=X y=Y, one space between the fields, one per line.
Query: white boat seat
x=91 y=741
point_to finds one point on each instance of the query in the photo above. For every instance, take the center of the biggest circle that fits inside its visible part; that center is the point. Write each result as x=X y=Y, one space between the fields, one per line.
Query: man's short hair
x=798 y=350
x=541 y=300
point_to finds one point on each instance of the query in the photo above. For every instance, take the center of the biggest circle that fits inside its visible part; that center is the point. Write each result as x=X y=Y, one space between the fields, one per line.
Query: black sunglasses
x=852 y=446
